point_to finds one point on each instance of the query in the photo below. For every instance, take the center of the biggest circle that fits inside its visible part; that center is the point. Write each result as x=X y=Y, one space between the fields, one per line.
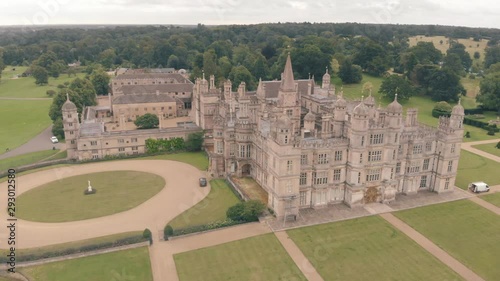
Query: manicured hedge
x=69 y=251
x=200 y=228
x=481 y=124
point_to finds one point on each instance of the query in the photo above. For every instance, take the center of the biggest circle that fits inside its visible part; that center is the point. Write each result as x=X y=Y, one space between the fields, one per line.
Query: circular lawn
x=64 y=200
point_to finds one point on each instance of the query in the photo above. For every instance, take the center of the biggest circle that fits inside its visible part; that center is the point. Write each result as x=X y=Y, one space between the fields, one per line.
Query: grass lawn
x=489 y=148
x=472 y=167
x=256 y=258
x=63 y=200
x=25 y=87
x=197 y=159
x=465 y=230
x=21 y=121
x=5 y=278
x=25 y=159
x=212 y=208
x=130 y=265
x=368 y=248
x=492 y=198
x=72 y=245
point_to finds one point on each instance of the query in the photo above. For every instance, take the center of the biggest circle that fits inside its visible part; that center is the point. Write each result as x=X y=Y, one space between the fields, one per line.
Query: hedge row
x=473 y=111
x=481 y=124
x=170 y=232
x=69 y=251
x=437 y=113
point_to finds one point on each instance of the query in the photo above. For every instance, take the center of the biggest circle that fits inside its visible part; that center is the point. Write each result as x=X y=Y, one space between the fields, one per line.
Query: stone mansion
x=308 y=147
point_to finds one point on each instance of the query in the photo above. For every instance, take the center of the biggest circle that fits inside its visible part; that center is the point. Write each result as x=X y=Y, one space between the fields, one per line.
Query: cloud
x=447 y=12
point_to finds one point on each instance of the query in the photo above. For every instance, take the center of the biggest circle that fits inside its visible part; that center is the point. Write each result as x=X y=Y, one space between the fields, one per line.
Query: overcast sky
x=482 y=13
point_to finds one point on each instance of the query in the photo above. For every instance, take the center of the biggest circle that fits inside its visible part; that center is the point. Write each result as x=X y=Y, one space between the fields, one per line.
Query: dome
x=395 y=107
x=458 y=109
x=361 y=109
x=68 y=105
x=310 y=117
x=370 y=100
x=341 y=102
x=284 y=122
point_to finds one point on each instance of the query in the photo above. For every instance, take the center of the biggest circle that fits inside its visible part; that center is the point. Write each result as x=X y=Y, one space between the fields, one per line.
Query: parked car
x=480 y=186
x=203 y=182
x=54 y=140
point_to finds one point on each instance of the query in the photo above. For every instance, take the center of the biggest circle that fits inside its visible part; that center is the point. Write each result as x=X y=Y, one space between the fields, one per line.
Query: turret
x=71 y=126
x=326 y=80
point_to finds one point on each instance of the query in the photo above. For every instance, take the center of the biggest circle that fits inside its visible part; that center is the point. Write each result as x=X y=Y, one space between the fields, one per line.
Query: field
x=472 y=167
x=212 y=208
x=253 y=259
x=25 y=87
x=464 y=229
x=21 y=121
x=367 y=249
x=73 y=245
x=472 y=87
x=492 y=198
x=471 y=46
x=489 y=148
x=130 y=265
x=63 y=200
x=28 y=158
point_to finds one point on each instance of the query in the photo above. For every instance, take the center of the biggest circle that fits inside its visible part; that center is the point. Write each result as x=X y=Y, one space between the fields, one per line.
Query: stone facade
x=308 y=147
x=108 y=129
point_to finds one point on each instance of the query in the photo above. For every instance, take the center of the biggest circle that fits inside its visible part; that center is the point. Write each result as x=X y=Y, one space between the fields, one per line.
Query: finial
x=67 y=96
x=370 y=92
x=460 y=101
x=396 y=97
x=326 y=70
x=203 y=71
x=309 y=75
x=362 y=98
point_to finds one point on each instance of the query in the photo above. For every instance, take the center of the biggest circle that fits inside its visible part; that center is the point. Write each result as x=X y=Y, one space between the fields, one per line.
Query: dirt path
x=298 y=257
x=468 y=146
x=180 y=193
x=432 y=248
x=162 y=253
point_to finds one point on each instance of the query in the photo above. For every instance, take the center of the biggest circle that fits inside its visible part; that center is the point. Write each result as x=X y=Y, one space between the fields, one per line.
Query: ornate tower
x=288 y=97
x=71 y=126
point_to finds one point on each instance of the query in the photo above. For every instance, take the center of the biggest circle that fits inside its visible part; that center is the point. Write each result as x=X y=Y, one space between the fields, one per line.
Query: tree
x=107 y=58
x=147 y=121
x=335 y=66
x=371 y=56
x=489 y=94
x=445 y=85
x=477 y=55
x=2 y=65
x=350 y=73
x=425 y=53
x=85 y=90
x=40 y=74
x=240 y=74
x=58 y=129
x=459 y=50
x=100 y=81
x=210 y=62
x=396 y=84
x=194 y=141
x=173 y=62
x=309 y=60
x=454 y=64
x=492 y=56
x=51 y=93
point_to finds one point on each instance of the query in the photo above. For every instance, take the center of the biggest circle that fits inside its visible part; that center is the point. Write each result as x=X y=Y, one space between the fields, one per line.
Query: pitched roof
x=143 y=98
x=288 y=82
x=152 y=89
x=272 y=87
x=176 y=76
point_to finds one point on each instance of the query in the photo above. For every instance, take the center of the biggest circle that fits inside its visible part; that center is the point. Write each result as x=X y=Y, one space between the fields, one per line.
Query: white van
x=479 y=187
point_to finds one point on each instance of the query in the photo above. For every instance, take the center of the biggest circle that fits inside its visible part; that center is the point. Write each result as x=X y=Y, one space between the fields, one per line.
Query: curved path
x=39 y=143
x=181 y=191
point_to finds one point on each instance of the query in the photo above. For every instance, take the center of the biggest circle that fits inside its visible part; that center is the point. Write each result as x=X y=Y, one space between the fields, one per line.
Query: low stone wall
x=236 y=187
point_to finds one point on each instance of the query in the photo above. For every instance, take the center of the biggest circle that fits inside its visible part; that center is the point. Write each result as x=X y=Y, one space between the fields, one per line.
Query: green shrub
x=498 y=145
x=246 y=211
x=146 y=234
x=168 y=231
x=467 y=134
x=441 y=108
x=491 y=132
